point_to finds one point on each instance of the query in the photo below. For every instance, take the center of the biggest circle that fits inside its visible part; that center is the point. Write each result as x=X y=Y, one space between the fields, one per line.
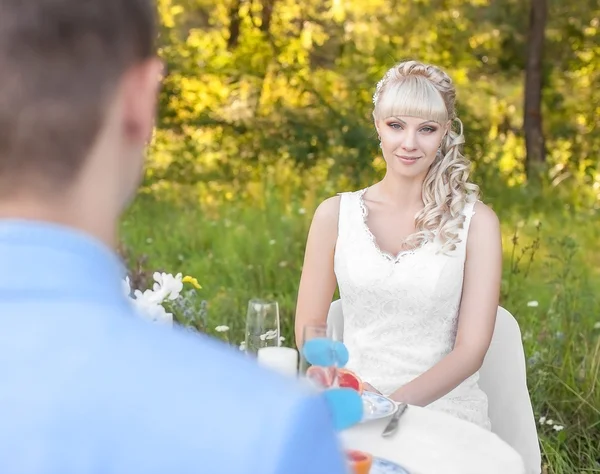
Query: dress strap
x=349 y=212
x=469 y=212
x=344 y=212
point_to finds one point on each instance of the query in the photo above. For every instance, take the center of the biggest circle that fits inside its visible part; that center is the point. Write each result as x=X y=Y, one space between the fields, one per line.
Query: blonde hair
x=420 y=90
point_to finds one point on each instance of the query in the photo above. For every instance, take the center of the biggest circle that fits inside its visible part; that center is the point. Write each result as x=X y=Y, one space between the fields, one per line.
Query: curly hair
x=421 y=90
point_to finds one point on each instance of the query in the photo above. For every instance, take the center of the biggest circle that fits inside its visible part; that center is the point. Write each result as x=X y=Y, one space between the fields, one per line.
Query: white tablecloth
x=431 y=442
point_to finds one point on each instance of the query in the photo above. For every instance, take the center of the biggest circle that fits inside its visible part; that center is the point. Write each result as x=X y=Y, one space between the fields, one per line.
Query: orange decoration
x=349 y=379
x=360 y=461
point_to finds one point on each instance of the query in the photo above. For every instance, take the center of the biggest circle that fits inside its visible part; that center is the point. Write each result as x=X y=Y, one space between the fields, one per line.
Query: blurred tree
x=534 y=135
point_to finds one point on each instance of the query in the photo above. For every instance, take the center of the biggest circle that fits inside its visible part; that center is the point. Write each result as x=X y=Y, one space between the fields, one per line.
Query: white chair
x=504 y=380
x=503 y=377
x=335 y=321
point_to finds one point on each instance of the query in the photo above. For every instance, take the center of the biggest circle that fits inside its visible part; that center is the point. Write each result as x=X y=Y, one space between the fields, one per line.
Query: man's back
x=89 y=387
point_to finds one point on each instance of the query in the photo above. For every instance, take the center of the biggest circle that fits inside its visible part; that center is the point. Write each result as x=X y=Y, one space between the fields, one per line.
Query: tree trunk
x=534 y=137
x=234 y=25
x=266 y=15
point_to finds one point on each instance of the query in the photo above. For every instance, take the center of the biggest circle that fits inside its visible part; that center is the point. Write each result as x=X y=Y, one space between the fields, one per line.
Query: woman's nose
x=409 y=143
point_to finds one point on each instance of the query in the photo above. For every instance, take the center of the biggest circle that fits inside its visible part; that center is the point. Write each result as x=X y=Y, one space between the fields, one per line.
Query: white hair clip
x=379 y=86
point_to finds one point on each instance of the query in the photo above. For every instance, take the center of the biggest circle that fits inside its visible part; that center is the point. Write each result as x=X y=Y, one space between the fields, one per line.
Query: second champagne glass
x=322 y=375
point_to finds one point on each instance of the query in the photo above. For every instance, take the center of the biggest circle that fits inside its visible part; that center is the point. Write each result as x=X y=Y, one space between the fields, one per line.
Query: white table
x=431 y=442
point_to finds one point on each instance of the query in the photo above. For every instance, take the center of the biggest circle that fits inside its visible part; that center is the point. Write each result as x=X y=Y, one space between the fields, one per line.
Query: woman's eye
x=428 y=129
x=395 y=126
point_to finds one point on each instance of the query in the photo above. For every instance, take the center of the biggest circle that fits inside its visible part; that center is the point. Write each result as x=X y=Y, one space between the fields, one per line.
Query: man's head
x=78 y=83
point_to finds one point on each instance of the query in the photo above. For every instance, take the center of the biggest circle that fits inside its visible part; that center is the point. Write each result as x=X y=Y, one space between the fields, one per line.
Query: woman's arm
x=477 y=315
x=317 y=283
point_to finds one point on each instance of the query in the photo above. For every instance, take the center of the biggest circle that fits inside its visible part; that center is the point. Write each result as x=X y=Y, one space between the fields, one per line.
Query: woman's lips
x=408 y=160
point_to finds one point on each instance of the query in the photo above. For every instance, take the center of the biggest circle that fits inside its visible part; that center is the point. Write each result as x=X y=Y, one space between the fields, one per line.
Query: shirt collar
x=46 y=258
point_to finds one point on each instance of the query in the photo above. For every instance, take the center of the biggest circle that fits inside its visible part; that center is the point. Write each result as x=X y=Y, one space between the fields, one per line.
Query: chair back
x=503 y=378
x=335 y=321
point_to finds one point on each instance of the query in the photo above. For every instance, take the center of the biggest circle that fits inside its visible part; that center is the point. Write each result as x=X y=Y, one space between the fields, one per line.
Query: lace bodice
x=401 y=312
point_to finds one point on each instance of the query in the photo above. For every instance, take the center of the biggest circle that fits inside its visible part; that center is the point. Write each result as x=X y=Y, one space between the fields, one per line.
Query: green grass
x=239 y=250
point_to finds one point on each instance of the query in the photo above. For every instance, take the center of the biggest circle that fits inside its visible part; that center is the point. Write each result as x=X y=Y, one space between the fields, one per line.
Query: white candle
x=281 y=359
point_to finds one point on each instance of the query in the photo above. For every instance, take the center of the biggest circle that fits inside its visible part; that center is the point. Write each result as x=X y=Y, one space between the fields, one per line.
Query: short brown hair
x=59 y=60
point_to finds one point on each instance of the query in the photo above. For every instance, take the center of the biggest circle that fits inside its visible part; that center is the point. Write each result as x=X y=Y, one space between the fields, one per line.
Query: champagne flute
x=322 y=370
x=262 y=325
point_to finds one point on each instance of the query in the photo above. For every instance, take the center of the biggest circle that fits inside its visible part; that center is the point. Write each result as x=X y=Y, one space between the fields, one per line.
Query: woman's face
x=409 y=144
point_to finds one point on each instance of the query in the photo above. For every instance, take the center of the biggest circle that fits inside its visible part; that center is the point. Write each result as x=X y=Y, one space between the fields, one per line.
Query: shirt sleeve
x=310 y=444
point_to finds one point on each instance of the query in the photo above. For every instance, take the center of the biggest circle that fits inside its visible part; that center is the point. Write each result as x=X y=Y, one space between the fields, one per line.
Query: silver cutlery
x=392 y=426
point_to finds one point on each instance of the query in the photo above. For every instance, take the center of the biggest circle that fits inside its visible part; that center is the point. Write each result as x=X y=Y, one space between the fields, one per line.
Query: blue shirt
x=86 y=386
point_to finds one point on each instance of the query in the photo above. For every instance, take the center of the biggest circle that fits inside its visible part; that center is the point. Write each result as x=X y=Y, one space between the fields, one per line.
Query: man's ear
x=139 y=92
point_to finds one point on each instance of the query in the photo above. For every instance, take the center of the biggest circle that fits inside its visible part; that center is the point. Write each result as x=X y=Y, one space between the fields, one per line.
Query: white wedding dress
x=401 y=313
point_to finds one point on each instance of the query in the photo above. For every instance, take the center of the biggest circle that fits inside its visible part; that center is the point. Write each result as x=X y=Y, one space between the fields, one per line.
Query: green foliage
x=282 y=80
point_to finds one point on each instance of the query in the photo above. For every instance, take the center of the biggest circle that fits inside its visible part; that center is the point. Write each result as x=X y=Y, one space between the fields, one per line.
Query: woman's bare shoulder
x=484 y=216
x=485 y=224
x=329 y=209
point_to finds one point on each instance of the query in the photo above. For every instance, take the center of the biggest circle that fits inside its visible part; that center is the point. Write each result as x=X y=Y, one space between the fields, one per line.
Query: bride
x=417 y=258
